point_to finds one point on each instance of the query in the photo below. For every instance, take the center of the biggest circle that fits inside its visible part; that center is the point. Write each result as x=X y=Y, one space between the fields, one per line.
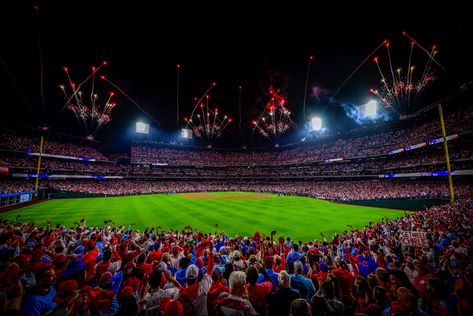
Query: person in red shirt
x=129 y=251
x=257 y=293
x=363 y=294
x=279 y=263
x=216 y=288
x=145 y=268
x=318 y=277
x=345 y=280
x=90 y=259
x=111 y=261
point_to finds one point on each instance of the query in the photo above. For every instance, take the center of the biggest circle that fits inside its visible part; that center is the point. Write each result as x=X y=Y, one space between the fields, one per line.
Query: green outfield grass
x=236 y=213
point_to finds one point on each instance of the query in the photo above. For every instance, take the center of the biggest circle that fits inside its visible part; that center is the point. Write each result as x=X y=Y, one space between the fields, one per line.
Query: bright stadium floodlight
x=316 y=123
x=142 y=128
x=186 y=133
x=370 y=109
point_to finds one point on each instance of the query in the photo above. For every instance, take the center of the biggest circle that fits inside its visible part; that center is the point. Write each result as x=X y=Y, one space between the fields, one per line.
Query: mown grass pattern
x=299 y=217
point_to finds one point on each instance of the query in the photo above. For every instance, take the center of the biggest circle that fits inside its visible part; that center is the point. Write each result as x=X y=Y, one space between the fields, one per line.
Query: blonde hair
x=284 y=279
x=237 y=283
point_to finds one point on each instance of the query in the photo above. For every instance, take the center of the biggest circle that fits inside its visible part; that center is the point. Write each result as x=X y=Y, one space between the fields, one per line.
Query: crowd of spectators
x=117 y=270
x=10 y=140
x=337 y=190
x=424 y=160
x=15 y=186
x=346 y=147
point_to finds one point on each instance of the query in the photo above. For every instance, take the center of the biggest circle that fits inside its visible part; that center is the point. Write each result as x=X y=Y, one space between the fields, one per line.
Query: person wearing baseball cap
x=65 y=293
x=192 y=272
x=40 y=300
x=268 y=265
x=216 y=288
x=193 y=295
x=172 y=307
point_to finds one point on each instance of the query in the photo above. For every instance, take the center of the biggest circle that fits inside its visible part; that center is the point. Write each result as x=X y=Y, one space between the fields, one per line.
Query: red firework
x=401 y=86
x=207 y=123
x=90 y=109
x=275 y=120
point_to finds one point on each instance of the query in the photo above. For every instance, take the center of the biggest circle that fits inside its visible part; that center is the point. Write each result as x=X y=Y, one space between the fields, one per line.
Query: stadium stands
x=419 y=264
x=377 y=270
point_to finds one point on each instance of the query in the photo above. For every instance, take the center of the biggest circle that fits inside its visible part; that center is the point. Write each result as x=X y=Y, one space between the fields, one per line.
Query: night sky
x=232 y=44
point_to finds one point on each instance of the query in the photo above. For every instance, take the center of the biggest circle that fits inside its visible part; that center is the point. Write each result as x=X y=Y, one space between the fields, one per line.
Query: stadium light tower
x=142 y=128
x=370 y=109
x=316 y=123
x=186 y=133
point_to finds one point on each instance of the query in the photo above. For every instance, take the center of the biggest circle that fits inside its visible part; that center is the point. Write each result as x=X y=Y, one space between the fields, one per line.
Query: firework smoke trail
x=278 y=120
x=40 y=51
x=129 y=98
x=306 y=82
x=281 y=102
x=63 y=89
x=426 y=77
x=213 y=124
x=426 y=51
x=13 y=82
x=92 y=75
x=358 y=67
x=229 y=120
x=103 y=117
x=391 y=66
x=239 y=106
x=203 y=96
x=384 y=101
x=178 y=67
x=400 y=93
x=207 y=110
x=191 y=124
x=207 y=124
x=390 y=62
x=383 y=80
x=78 y=107
x=260 y=130
x=273 y=121
x=76 y=90
x=92 y=115
x=73 y=87
x=256 y=123
x=429 y=63
x=258 y=120
x=409 y=77
x=390 y=97
x=92 y=99
x=203 y=118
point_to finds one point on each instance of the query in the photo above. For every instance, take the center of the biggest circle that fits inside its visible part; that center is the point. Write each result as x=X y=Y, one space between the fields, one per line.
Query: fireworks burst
x=91 y=110
x=400 y=88
x=206 y=123
x=275 y=120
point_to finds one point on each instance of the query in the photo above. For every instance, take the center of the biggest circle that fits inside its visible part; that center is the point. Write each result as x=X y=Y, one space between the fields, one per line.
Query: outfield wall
x=68 y=195
x=400 y=204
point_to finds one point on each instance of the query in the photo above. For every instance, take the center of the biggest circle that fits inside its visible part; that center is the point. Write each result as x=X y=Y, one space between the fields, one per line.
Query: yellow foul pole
x=447 y=157
x=39 y=164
